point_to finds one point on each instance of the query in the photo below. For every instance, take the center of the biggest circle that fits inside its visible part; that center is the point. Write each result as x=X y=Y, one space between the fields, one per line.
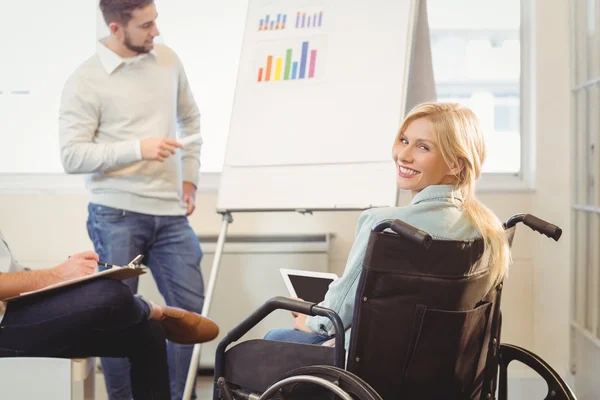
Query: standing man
x=119 y=114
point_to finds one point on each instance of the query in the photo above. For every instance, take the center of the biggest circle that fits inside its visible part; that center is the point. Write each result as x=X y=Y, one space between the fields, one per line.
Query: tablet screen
x=310 y=288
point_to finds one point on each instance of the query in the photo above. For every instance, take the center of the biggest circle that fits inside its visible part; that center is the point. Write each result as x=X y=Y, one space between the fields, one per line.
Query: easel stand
x=190 y=383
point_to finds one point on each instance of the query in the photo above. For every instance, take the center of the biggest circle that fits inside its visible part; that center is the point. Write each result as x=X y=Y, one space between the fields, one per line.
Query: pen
x=106 y=265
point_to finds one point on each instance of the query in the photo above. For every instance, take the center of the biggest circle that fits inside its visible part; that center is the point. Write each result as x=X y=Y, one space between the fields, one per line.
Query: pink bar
x=313 y=61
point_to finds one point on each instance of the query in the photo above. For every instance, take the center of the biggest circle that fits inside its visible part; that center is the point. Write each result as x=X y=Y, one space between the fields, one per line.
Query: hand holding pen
x=78 y=265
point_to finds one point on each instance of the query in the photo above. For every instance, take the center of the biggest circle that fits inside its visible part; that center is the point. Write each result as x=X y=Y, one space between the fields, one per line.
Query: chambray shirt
x=7 y=264
x=437 y=210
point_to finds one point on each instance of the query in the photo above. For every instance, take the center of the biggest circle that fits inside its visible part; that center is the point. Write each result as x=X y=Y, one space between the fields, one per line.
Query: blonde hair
x=461 y=140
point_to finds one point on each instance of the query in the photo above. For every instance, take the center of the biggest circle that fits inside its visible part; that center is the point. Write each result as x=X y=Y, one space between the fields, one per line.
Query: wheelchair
x=426 y=326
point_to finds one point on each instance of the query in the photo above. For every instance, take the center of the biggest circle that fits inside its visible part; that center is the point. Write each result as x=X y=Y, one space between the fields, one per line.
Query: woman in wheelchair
x=438 y=152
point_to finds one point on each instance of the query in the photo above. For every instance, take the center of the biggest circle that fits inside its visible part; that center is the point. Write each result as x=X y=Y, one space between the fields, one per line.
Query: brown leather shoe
x=186 y=327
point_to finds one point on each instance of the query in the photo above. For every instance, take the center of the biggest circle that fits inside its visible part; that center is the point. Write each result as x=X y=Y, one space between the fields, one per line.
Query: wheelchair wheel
x=297 y=385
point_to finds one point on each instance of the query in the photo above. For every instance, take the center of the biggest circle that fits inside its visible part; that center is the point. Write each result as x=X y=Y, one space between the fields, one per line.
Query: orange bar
x=260 y=72
x=269 y=63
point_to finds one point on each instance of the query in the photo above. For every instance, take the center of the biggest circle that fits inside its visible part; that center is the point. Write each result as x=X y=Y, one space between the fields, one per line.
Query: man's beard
x=134 y=48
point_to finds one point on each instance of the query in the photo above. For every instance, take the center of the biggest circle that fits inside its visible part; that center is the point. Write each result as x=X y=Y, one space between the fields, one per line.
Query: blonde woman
x=438 y=152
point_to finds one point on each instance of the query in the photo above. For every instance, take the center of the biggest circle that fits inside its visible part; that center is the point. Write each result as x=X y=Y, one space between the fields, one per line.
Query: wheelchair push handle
x=535 y=223
x=418 y=236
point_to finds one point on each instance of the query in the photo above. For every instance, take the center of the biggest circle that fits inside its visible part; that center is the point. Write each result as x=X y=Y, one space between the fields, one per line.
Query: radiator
x=248 y=276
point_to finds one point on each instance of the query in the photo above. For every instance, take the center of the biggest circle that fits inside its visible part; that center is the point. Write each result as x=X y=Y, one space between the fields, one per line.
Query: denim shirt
x=436 y=210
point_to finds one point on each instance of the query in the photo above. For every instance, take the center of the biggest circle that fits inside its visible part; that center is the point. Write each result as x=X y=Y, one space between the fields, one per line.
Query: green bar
x=288 y=64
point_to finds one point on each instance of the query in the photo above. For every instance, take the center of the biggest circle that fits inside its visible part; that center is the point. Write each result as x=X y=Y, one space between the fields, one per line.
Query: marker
x=189 y=139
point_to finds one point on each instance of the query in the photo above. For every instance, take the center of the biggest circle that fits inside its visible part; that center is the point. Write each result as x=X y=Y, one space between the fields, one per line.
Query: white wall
x=553 y=174
x=44 y=229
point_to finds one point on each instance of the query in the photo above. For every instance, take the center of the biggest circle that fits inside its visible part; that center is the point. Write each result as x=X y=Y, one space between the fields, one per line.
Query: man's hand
x=158 y=148
x=81 y=264
x=189 y=196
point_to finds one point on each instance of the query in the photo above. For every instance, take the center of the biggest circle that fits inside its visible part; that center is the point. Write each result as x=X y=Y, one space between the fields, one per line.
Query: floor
x=203 y=387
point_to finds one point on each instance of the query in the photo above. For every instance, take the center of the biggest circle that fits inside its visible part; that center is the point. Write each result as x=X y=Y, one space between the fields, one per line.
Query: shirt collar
x=437 y=192
x=111 y=60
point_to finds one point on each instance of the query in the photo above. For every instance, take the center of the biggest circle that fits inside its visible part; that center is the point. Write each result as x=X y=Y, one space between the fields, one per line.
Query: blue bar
x=320 y=18
x=297 y=19
x=278 y=18
x=303 y=60
x=294 y=69
x=272 y=23
x=284 y=18
x=260 y=24
x=303 y=19
x=267 y=19
x=315 y=20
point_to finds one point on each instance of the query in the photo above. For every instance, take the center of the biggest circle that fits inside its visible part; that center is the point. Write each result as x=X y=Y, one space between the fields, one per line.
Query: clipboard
x=114 y=272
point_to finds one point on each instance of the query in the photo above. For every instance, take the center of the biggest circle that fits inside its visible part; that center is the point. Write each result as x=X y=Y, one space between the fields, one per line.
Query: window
x=476 y=56
x=32 y=77
x=585 y=138
x=476 y=48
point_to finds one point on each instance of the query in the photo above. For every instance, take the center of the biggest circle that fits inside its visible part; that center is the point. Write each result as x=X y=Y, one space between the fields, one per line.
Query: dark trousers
x=101 y=318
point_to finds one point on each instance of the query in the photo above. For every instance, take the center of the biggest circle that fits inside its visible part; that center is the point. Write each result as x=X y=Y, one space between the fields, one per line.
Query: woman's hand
x=300 y=323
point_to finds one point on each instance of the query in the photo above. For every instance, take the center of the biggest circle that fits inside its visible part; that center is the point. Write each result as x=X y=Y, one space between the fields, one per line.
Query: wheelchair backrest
x=424 y=320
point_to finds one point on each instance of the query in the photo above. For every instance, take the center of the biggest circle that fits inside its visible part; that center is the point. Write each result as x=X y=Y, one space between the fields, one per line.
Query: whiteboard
x=320 y=95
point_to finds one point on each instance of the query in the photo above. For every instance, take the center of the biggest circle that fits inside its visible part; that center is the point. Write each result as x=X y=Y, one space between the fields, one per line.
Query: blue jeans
x=292 y=335
x=93 y=319
x=172 y=253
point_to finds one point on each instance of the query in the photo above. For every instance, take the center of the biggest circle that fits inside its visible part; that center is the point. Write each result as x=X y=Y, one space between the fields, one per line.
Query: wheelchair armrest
x=557 y=387
x=284 y=303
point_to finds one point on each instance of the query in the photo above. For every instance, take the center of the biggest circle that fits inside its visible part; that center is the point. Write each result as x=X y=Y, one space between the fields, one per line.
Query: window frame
x=524 y=181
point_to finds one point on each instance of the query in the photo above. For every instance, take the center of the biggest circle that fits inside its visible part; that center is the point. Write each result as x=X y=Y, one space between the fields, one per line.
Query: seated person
x=92 y=319
x=438 y=152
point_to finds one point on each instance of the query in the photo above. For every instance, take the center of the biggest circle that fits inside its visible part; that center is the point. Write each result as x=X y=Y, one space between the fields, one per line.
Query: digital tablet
x=307 y=285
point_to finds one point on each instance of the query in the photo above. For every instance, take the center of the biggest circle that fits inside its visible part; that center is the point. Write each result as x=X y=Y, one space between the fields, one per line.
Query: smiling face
x=418 y=158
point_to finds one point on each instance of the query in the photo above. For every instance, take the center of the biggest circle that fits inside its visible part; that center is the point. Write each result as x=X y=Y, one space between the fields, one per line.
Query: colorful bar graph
x=269 y=22
x=284 y=68
x=309 y=20
x=313 y=62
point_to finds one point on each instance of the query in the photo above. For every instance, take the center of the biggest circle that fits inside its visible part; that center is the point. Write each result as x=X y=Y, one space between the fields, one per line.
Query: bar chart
x=272 y=22
x=290 y=61
x=309 y=19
